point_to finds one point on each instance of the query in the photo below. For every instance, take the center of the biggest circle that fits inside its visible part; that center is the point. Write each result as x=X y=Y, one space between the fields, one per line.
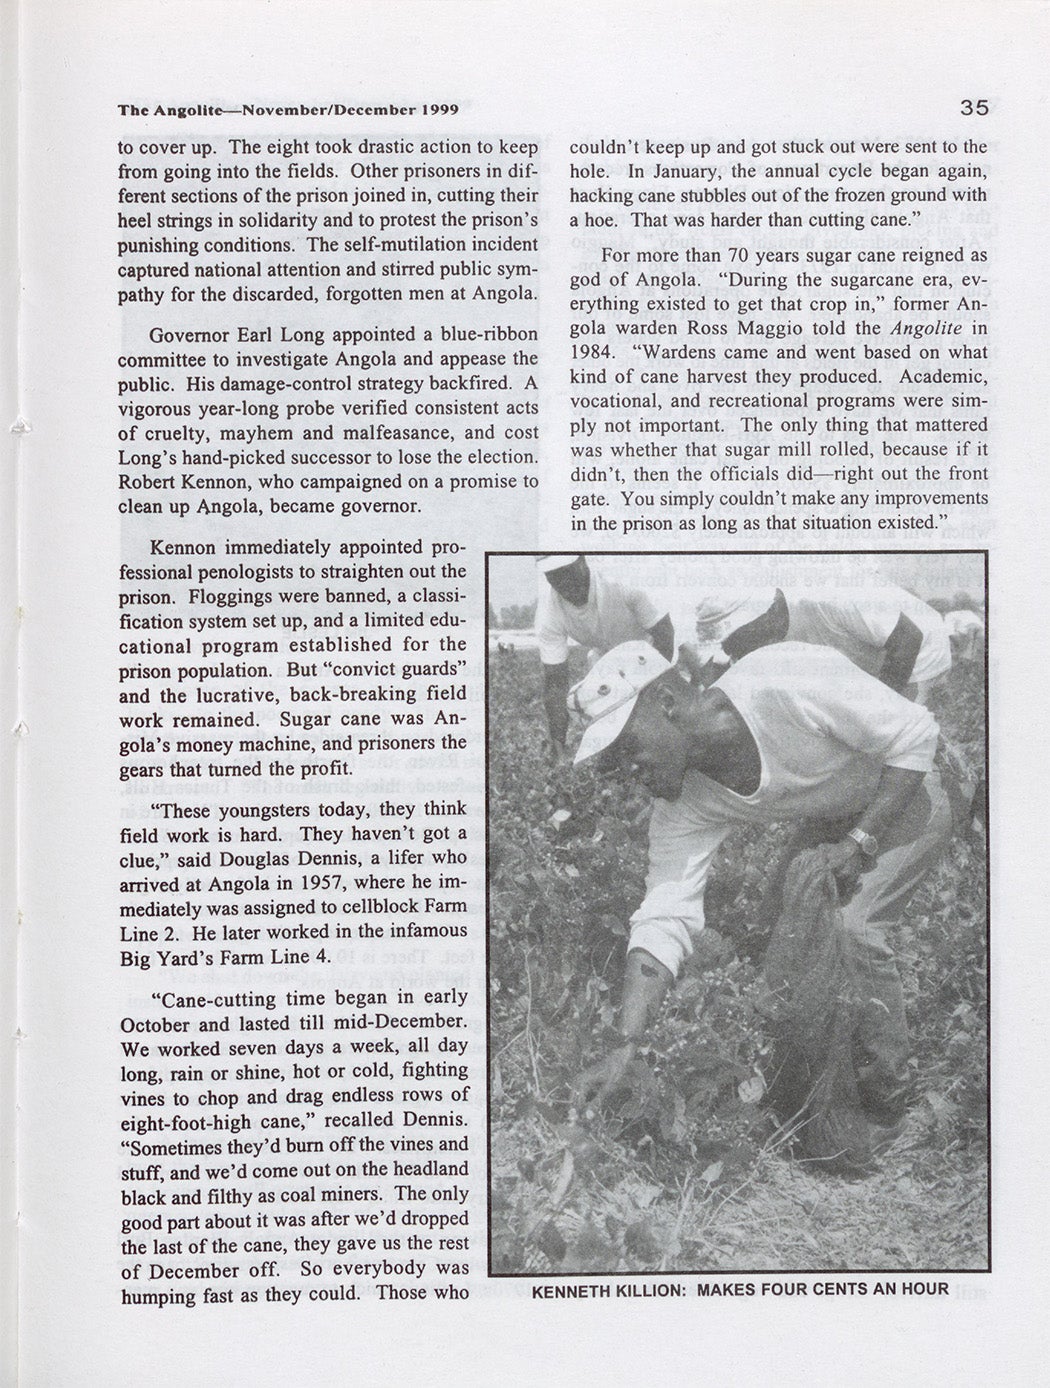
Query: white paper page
x=521 y=74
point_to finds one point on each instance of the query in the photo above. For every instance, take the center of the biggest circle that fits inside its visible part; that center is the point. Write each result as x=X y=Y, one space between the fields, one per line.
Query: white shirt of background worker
x=589 y=606
x=966 y=633
x=886 y=631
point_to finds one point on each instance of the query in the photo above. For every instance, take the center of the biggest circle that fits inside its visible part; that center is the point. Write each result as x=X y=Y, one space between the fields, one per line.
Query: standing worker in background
x=599 y=612
x=887 y=631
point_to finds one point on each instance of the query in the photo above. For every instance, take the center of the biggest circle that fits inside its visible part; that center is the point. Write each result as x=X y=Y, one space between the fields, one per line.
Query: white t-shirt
x=612 y=614
x=824 y=731
x=859 y=624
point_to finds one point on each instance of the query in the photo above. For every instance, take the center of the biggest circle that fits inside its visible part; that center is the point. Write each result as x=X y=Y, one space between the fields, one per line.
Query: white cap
x=606 y=696
x=547 y=563
x=721 y=613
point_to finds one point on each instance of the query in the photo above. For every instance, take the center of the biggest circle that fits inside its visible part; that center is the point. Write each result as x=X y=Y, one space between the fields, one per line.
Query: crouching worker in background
x=791 y=732
x=887 y=631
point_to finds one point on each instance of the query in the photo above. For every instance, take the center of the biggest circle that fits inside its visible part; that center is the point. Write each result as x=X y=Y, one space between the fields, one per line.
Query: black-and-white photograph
x=737 y=912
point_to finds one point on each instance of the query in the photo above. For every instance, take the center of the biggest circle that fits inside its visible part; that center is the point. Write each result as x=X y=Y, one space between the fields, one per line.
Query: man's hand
x=846 y=863
x=600 y=1081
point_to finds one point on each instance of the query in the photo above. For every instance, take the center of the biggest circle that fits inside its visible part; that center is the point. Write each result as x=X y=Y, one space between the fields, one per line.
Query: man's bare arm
x=555 y=692
x=645 y=986
x=899 y=653
x=895 y=791
x=661 y=634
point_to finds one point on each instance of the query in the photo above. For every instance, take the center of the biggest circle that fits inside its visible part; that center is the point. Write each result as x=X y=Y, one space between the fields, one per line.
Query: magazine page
x=529 y=535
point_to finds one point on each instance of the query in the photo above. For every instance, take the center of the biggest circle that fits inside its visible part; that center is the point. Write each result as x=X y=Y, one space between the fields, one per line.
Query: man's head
x=741 y=622
x=639 y=711
x=568 y=575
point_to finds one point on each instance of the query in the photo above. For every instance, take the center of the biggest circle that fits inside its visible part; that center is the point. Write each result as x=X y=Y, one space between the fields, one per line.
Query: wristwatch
x=867 y=843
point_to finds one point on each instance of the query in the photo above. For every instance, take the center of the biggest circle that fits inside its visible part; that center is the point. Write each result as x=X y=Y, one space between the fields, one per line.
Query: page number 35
x=975 y=108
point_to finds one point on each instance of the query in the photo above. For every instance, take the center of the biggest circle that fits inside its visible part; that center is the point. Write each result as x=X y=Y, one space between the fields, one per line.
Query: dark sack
x=809 y=1002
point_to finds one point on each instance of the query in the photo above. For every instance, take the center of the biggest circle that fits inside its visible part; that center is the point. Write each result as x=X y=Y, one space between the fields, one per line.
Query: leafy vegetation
x=690 y=1172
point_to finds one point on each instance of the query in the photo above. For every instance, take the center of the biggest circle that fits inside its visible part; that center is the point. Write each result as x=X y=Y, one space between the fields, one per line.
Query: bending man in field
x=587 y=605
x=791 y=732
x=885 y=630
